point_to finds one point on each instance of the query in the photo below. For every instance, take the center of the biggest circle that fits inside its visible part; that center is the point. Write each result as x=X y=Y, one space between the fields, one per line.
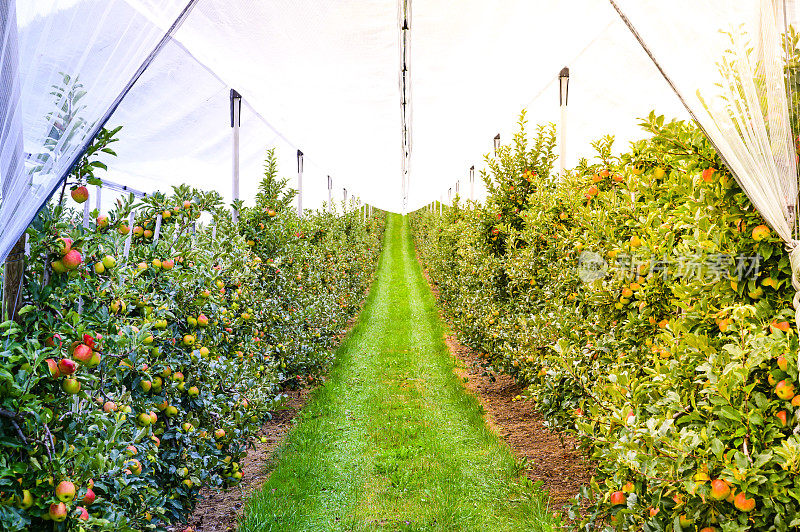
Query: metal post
x=236 y=122
x=472 y=183
x=97 y=192
x=330 y=194
x=127 y=250
x=496 y=144
x=299 y=183
x=563 y=95
x=157 y=231
x=345 y=199
x=86 y=217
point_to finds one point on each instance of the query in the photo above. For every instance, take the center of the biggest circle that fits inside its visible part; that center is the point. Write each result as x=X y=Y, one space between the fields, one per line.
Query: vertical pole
x=345 y=199
x=86 y=216
x=128 y=240
x=563 y=95
x=472 y=183
x=330 y=194
x=11 y=151
x=299 y=183
x=157 y=231
x=214 y=233
x=98 y=191
x=236 y=123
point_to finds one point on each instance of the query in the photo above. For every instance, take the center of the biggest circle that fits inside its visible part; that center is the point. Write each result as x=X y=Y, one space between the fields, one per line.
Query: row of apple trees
x=648 y=306
x=128 y=383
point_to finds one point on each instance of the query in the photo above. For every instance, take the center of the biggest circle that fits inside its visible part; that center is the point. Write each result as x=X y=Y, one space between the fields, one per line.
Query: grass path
x=392 y=441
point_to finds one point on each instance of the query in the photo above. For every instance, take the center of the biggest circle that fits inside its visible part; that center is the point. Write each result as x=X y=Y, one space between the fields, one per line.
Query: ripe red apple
x=785 y=390
x=52 y=366
x=109 y=406
x=202 y=320
x=145 y=386
x=81 y=513
x=63 y=245
x=708 y=174
x=720 y=489
x=102 y=222
x=781 y=415
x=178 y=376
x=89 y=498
x=760 y=232
x=80 y=194
x=783 y=364
x=58 y=512
x=71 y=386
x=153 y=418
x=65 y=491
x=83 y=353
x=123 y=229
x=617 y=498
x=72 y=259
x=168 y=264
x=743 y=504
x=53 y=340
x=67 y=366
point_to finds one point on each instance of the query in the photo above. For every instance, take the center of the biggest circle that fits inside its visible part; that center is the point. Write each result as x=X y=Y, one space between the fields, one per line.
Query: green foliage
x=621 y=294
x=196 y=330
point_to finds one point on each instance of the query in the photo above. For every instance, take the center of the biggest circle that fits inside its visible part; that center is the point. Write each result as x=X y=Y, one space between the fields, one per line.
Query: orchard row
x=680 y=383
x=129 y=382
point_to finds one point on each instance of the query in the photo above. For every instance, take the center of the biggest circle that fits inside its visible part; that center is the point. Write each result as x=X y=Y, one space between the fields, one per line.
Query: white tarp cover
x=323 y=76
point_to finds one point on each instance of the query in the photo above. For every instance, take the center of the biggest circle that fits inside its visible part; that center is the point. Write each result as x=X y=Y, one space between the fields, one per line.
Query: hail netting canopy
x=324 y=76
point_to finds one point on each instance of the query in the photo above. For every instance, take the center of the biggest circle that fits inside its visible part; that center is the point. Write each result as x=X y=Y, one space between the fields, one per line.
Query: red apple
x=53 y=340
x=67 y=366
x=80 y=194
x=63 y=245
x=58 y=512
x=781 y=415
x=52 y=366
x=743 y=504
x=72 y=259
x=720 y=489
x=102 y=222
x=65 y=491
x=89 y=498
x=168 y=264
x=617 y=498
x=83 y=353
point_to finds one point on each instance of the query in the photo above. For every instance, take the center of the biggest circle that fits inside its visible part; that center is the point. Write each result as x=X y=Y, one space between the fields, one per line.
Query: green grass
x=392 y=441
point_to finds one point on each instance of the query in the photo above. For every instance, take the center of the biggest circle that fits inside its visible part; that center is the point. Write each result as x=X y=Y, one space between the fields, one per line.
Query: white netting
x=323 y=76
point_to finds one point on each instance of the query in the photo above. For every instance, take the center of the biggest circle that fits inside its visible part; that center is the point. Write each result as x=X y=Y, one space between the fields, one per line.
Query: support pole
x=236 y=122
x=345 y=199
x=563 y=96
x=299 y=183
x=97 y=195
x=330 y=194
x=472 y=183
x=11 y=152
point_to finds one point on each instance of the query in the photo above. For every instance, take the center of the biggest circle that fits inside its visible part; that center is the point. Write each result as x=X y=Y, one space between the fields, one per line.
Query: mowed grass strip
x=392 y=441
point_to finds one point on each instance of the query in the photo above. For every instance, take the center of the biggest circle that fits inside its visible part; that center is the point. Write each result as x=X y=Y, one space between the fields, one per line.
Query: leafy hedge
x=137 y=382
x=648 y=307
